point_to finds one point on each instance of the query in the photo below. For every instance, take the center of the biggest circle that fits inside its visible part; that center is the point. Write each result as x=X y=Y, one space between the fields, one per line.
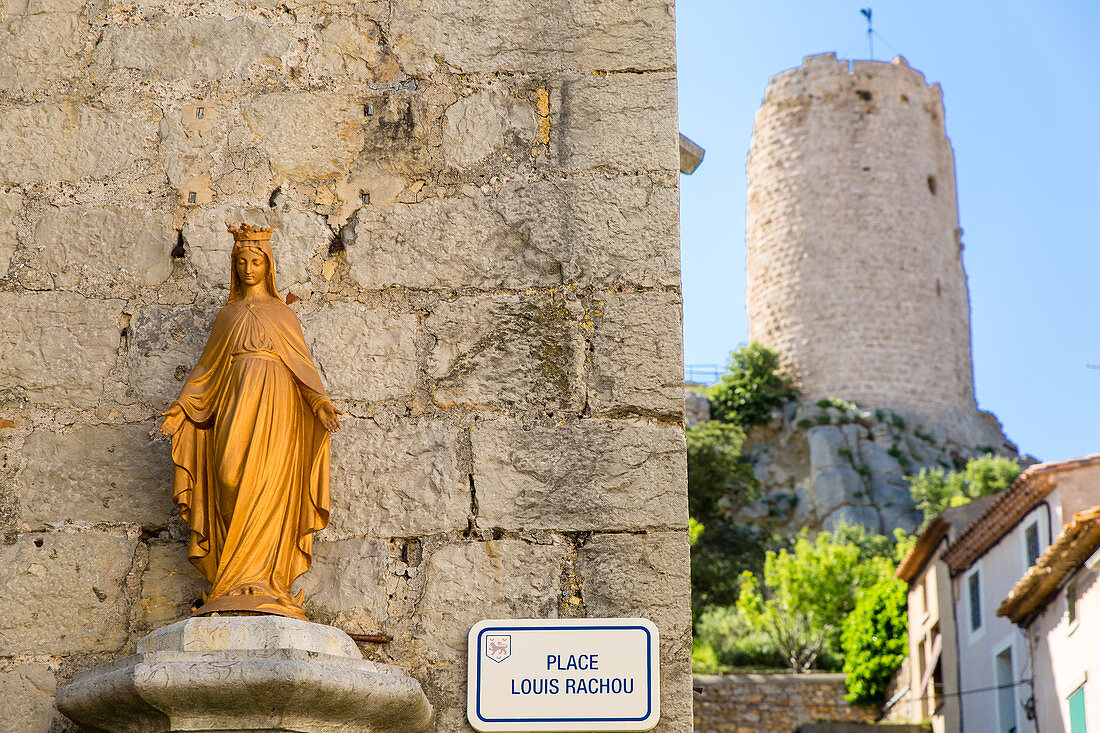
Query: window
x=974 y=593
x=1077 y=711
x=1031 y=538
x=1071 y=601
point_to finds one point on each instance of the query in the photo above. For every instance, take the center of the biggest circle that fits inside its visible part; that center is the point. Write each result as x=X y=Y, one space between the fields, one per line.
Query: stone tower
x=854 y=259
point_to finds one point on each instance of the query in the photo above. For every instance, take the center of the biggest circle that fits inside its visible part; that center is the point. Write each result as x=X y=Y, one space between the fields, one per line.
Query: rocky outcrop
x=827 y=462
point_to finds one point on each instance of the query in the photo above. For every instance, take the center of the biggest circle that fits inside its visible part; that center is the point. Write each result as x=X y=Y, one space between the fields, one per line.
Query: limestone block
x=37 y=49
x=826 y=442
x=195 y=49
x=899 y=516
x=163 y=346
x=481 y=123
x=886 y=492
x=97 y=473
x=471 y=581
x=626 y=575
x=545 y=36
x=835 y=486
x=10 y=203
x=170 y=584
x=346 y=585
x=398 y=482
x=307 y=135
x=106 y=245
x=364 y=352
x=67 y=142
x=446 y=243
x=445 y=685
x=297 y=235
x=34 y=7
x=863 y=515
x=676 y=697
x=64 y=593
x=615 y=122
x=28 y=691
x=58 y=347
x=352 y=46
x=517 y=350
x=853 y=434
x=879 y=462
x=637 y=360
x=528 y=234
x=588 y=475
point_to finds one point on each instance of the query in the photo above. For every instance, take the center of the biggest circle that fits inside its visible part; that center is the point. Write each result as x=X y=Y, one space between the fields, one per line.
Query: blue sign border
x=648 y=677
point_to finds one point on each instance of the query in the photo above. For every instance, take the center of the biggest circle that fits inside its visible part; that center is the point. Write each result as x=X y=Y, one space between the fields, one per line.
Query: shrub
x=935 y=489
x=720 y=481
x=752 y=388
x=875 y=641
x=722 y=631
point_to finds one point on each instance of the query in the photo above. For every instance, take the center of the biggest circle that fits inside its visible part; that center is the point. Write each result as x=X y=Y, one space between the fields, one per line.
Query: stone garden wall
x=771 y=703
x=475 y=207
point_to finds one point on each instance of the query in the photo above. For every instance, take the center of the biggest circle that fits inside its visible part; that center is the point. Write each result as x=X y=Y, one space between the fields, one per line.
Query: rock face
x=475 y=205
x=829 y=462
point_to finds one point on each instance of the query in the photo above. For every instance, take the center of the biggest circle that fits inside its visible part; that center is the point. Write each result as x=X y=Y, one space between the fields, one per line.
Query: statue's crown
x=247 y=233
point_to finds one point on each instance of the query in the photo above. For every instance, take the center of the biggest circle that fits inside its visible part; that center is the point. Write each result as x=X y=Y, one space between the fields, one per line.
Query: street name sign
x=564 y=675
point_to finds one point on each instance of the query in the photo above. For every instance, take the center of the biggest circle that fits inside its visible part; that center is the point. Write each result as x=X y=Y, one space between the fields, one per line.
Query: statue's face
x=251 y=266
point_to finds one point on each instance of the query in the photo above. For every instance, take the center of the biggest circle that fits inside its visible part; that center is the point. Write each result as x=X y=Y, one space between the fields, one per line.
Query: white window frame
x=972 y=634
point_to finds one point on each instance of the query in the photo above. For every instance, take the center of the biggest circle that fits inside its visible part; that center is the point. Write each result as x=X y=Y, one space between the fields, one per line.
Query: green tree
x=807 y=592
x=751 y=388
x=720 y=481
x=874 y=640
x=934 y=489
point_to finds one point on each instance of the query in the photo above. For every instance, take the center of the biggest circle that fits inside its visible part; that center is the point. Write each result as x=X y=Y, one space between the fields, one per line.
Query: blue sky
x=1021 y=84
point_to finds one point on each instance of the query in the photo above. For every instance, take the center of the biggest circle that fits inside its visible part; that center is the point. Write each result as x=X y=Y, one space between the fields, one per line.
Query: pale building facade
x=929 y=689
x=986 y=562
x=971 y=669
x=1057 y=603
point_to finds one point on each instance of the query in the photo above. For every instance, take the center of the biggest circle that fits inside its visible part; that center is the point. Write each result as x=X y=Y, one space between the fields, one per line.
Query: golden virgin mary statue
x=250 y=444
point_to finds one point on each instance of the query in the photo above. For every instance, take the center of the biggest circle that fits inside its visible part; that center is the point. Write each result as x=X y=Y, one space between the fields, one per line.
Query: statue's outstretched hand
x=173 y=420
x=326 y=413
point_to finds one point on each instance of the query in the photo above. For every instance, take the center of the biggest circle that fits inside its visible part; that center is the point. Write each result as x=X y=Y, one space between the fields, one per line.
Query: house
x=931 y=690
x=1057 y=603
x=980 y=661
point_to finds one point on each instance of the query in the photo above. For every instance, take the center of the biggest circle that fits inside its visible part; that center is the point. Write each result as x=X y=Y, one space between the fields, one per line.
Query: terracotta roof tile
x=1007 y=509
x=1078 y=540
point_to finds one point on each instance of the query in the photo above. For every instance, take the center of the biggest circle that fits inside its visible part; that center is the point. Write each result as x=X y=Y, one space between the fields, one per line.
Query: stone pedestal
x=257 y=673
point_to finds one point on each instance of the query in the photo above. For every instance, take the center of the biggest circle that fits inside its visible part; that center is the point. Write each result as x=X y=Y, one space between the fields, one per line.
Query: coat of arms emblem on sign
x=498 y=647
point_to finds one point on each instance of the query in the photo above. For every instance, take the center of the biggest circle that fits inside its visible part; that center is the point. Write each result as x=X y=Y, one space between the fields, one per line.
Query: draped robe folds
x=251 y=459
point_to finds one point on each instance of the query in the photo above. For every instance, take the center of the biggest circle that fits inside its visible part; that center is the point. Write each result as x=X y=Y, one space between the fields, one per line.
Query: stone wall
x=854 y=256
x=771 y=703
x=475 y=206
